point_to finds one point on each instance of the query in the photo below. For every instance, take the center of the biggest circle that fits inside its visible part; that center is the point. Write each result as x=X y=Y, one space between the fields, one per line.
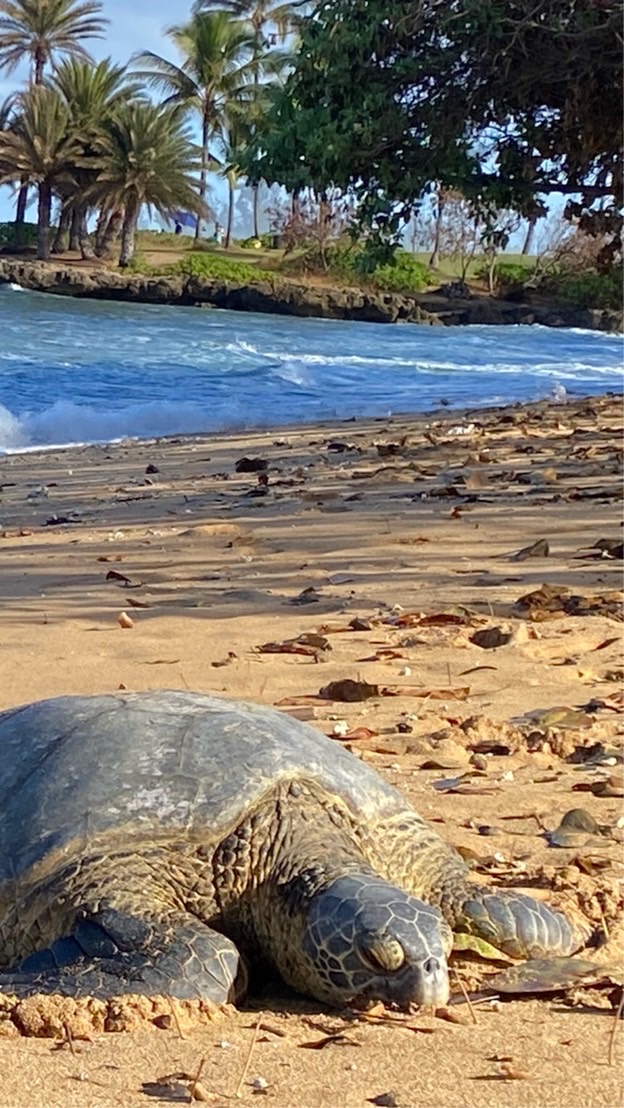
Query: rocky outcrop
x=289 y=298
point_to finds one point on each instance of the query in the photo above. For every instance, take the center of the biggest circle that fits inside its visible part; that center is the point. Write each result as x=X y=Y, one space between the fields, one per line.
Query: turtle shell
x=84 y=774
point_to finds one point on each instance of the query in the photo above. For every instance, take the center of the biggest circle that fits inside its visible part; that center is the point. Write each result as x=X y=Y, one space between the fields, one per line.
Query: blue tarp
x=185 y=219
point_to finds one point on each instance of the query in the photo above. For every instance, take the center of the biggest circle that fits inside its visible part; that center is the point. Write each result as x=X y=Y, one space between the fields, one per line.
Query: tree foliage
x=41 y=30
x=508 y=102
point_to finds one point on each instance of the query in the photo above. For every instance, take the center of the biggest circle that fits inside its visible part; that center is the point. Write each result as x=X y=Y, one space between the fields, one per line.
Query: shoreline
x=287 y=297
x=476 y=417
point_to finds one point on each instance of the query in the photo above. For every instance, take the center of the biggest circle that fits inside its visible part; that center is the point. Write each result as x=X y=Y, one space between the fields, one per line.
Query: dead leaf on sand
x=427 y=694
x=490 y=638
x=122 y=579
x=349 y=690
x=308 y=644
x=552 y=975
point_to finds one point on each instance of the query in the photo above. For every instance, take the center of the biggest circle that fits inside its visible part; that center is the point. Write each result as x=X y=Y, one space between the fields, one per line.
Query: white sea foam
x=66 y=423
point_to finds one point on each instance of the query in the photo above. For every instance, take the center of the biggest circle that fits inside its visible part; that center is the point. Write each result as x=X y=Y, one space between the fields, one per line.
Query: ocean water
x=84 y=371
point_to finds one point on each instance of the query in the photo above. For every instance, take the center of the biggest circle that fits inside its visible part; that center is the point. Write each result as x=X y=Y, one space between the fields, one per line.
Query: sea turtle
x=163 y=842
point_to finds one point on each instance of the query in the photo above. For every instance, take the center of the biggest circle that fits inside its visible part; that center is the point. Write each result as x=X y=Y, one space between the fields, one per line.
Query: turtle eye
x=383 y=953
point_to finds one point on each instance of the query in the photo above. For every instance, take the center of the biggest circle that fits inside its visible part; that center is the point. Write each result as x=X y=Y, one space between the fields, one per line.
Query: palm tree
x=271 y=22
x=40 y=31
x=91 y=94
x=218 y=60
x=262 y=14
x=146 y=157
x=234 y=143
x=41 y=150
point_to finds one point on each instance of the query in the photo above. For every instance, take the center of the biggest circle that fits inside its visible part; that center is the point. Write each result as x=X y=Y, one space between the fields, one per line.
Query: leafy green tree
x=217 y=62
x=40 y=149
x=507 y=102
x=146 y=157
x=39 y=32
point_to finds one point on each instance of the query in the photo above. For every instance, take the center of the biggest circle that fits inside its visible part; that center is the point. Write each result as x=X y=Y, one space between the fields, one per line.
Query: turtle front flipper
x=518 y=925
x=111 y=953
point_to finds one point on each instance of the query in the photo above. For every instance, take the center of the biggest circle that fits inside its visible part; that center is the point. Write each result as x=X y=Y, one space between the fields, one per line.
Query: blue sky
x=134 y=25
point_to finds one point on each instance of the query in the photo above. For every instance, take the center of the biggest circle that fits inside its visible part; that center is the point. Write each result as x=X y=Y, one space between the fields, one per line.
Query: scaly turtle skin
x=164 y=842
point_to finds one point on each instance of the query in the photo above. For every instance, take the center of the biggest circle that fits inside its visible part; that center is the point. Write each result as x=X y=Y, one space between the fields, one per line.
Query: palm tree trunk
x=22 y=196
x=528 y=242
x=434 y=260
x=86 y=250
x=100 y=230
x=43 y=222
x=230 y=215
x=203 y=173
x=74 y=231
x=61 y=231
x=255 y=190
x=128 y=235
x=109 y=233
x=20 y=212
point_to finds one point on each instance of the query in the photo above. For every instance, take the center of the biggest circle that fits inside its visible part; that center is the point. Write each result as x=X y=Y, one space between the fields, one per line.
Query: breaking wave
x=77 y=371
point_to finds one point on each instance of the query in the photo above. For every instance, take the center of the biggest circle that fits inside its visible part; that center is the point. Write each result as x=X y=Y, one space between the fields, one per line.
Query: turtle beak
x=425 y=983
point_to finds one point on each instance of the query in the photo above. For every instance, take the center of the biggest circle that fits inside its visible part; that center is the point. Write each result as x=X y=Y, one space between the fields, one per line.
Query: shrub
x=265 y=240
x=406 y=274
x=587 y=290
x=140 y=264
x=8 y=238
x=198 y=264
x=507 y=274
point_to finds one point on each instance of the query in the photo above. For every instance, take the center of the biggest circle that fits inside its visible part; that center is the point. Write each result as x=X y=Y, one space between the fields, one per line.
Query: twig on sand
x=245 y=1070
x=174 y=1016
x=618 y=1015
x=466 y=997
x=195 y=1082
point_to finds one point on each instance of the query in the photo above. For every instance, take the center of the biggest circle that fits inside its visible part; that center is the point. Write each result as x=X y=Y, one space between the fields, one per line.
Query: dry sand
x=388 y=521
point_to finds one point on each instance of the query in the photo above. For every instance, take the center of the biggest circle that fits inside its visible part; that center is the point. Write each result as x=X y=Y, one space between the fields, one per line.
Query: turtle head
x=365 y=937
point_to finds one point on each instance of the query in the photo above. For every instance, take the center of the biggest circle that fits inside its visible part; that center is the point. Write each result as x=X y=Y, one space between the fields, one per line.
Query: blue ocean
x=85 y=371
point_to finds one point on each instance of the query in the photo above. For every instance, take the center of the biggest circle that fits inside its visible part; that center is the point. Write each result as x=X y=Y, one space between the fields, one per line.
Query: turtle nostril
x=431 y=967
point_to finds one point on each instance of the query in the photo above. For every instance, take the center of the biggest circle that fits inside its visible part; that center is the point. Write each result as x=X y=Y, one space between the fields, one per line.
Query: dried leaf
x=548 y=975
x=359 y=733
x=475 y=669
x=386 y=653
x=338 y=1039
x=251 y=465
x=490 y=638
x=539 y=549
x=231 y=656
x=463 y=941
x=461 y=693
x=125 y=621
x=114 y=575
x=349 y=690
x=308 y=644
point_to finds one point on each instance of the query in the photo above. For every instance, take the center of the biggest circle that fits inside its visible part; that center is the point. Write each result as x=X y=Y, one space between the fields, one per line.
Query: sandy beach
x=469 y=568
